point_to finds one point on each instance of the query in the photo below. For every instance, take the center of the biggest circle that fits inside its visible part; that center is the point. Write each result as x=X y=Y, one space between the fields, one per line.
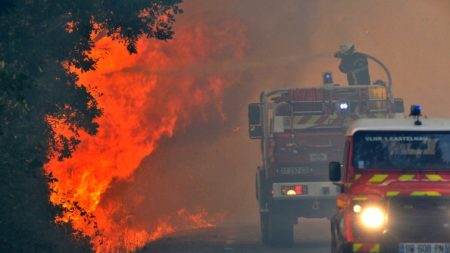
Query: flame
x=144 y=98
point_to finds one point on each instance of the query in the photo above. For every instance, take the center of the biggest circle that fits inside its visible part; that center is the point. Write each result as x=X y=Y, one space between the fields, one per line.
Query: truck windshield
x=401 y=150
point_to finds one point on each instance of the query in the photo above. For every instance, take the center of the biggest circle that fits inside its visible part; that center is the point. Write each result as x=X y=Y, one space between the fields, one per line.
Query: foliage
x=40 y=40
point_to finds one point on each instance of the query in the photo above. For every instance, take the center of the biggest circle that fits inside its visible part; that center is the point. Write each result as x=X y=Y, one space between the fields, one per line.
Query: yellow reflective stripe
x=425 y=194
x=347 y=120
x=406 y=177
x=357 y=176
x=313 y=119
x=375 y=249
x=331 y=119
x=357 y=247
x=360 y=198
x=297 y=119
x=434 y=177
x=392 y=194
x=378 y=178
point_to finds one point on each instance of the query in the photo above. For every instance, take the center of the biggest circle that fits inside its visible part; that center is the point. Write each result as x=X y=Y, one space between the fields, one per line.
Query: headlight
x=357 y=208
x=373 y=217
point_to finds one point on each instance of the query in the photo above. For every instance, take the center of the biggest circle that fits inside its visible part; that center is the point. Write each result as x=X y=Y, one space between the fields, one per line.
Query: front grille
x=419 y=219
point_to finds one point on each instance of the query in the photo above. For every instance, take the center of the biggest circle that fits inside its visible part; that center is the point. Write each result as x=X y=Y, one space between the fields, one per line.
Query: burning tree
x=146 y=98
x=41 y=43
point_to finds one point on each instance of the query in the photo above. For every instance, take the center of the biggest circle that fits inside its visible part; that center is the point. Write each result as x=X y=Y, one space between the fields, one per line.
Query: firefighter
x=354 y=64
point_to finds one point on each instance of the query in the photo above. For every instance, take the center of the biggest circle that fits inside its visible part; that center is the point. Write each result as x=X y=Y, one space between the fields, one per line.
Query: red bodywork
x=310 y=149
x=378 y=185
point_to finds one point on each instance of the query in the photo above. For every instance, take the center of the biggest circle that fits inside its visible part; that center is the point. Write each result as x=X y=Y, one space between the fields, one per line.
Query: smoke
x=208 y=162
x=290 y=43
x=211 y=163
x=410 y=37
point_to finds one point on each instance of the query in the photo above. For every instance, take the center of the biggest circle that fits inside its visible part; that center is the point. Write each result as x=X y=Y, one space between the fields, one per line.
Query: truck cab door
x=255 y=129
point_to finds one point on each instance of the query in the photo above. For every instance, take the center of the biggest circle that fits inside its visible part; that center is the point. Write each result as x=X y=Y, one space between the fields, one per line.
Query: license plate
x=424 y=248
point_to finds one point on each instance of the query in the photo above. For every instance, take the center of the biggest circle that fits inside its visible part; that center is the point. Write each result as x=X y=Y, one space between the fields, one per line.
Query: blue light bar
x=416 y=110
x=327 y=78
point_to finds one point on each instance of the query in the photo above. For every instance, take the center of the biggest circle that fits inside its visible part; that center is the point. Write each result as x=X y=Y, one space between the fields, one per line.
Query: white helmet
x=346 y=47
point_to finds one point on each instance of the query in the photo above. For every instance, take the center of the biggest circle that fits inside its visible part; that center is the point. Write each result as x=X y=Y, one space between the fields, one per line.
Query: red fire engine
x=301 y=130
x=395 y=188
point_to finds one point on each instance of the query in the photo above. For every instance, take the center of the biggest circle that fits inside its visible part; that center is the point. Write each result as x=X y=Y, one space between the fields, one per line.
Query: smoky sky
x=211 y=163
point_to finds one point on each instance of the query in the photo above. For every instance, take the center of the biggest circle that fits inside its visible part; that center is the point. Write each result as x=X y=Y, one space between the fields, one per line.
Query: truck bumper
x=317 y=199
x=306 y=208
x=390 y=247
x=362 y=247
x=310 y=190
x=434 y=238
x=414 y=222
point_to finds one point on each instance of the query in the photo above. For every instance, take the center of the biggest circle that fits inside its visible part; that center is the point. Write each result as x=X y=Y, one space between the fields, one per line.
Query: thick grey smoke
x=211 y=163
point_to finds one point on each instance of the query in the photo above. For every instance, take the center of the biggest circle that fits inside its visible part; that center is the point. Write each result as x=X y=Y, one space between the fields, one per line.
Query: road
x=311 y=236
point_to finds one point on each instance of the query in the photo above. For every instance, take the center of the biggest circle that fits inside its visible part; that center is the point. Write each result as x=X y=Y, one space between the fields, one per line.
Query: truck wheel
x=281 y=232
x=262 y=189
x=345 y=249
x=257 y=186
x=335 y=248
x=333 y=239
x=265 y=227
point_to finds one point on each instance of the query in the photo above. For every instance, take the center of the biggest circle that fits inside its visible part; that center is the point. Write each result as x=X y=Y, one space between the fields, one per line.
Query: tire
x=262 y=190
x=265 y=227
x=333 y=239
x=335 y=247
x=345 y=249
x=281 y=233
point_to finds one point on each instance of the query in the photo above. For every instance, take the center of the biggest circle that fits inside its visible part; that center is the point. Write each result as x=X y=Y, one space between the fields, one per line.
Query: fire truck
x=301 y=130
x=394 y=187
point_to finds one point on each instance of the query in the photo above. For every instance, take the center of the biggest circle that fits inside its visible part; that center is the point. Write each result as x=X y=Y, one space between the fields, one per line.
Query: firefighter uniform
x=354 y=64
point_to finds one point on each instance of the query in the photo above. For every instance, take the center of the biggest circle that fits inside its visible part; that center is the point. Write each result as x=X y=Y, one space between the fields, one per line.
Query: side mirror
x=334 y=171
x=255 y=121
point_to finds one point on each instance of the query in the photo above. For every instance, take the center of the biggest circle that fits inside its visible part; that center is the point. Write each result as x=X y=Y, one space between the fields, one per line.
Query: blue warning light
x=416 y=110
x=327 y=78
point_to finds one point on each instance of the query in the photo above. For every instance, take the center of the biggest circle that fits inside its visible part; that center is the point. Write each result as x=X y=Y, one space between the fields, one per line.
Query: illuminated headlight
x=293 y=190
x=373 y=217
x=291 y=193
x=343 y=106
x=357 y=208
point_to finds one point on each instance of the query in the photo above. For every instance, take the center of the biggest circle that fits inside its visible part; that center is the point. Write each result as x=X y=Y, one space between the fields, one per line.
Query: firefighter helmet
x=346 y=48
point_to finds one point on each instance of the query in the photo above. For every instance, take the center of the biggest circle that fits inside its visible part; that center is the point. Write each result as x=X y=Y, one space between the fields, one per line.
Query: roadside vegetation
x=41 y=42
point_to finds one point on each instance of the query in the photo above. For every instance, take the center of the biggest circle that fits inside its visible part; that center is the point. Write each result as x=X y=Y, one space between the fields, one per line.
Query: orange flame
x=144 y=98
